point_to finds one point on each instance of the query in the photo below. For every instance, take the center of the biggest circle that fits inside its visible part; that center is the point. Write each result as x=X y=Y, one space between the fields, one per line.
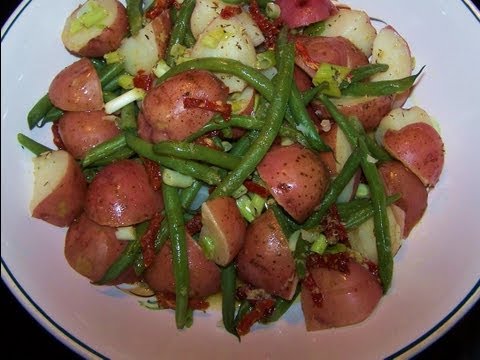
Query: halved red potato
x=77 y=88
x=302 y=80
x=362 y=239
x=353 y=25
x=164 y=110
x=225 y=226
x=410 y=136
x=265 y=260
x=296 y=13
x=83 y=130
x=142 y=51
x=335 y=297
x=399 y=180
x=296 y=177
x=392 y=49
x=91 y=248
x=96 y=39
x=59 y=189
x=121 y=195
x=369 y=110
x=311 y=51
x=204 y=274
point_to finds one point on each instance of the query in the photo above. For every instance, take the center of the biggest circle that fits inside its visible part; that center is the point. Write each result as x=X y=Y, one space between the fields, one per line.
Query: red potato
x=362 y=239
x=121 y=195
x=334 y=298
x=142 y=51
x=77 y=88
x=399 y=180
x=165 y=113
x=81 y=131
x=265 y=260
x=296 y=177
x=369 y=110
x=90 y=249
x=59 y=189
x=302 y=80
x=311 y=51
x=204 y=274
x=409 y=135
x=296 y=13
x=101 y=38
x=223 y=223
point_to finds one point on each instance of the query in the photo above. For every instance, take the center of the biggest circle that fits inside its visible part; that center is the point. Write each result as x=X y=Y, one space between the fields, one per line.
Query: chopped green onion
x=124 y=99
x=126 y=81
x=226 y=146
x=285 y=141
x=335 y=249
x=319 y=245
x=363 y=191
x=242 y=190
x=258 y=203
x=332 y=75
x=113 y=57
x=126 y=233
x=176 y=179
x=244 y=204
x=161 y=68
x=265 y=60
x=293 y=239
x=272 y=10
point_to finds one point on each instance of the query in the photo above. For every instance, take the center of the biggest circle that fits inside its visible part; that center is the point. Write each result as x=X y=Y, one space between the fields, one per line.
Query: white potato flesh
x=203 y=14
x=362 y=239
x=233 y=43
x=353 y=25
x=49 y=170
x=391 y=49
x=140 y=52
x=251 y=28
x=399 y=118
x=343 y=150
x=75 y=41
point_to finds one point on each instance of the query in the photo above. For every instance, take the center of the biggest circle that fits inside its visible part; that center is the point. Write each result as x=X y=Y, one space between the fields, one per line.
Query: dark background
x=461 y=342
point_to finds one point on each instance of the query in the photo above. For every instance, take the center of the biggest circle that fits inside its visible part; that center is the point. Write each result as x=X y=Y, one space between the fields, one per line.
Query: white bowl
x=437 y=271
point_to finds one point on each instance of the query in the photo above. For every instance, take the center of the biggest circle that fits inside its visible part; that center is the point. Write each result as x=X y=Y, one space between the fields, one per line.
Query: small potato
x=369 y=110
x=332 y=298
x=90 y=249
x=121 y=195
x=81 y=131
x=223 y=223
x=59 y=189
x=265 y=260
x=163 y=107
x=77 y=88
x=296 y=177
x=302 y=80
x=204 y=274
x=100 y=38
x=311 y=51
x=296 y=13
x=399 y=180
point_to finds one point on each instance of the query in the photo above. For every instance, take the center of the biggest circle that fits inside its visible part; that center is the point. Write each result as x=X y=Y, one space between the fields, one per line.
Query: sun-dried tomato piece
x=224 y=109
x=154 y=173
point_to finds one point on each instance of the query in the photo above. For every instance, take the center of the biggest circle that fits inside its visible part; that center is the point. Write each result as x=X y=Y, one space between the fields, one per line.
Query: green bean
x=112 y=86
x=242 y=145
x=160 y=240
x=38 y=111
x=228 y=283
x=98 y=63
x=177 y=235
x=287 y=225
x=303 y=122
x=189 y=39
x=135 y=18
x=186 y=167
x=127 y=257
x=244 y=308
x=109 y=95
x=191 y=151
x=254 y=78
x=217 y=123
x=31 y=144
x=335 y=188
x=179 y=29
x=90 y=173
x=128 y=117
x=189 y=194
x=269 y=131
x=110 y=72
x=363 y=72
x=104 y=149
x=379 y=88
x=310 y=94
x=348 y=129
x=122 y=153
x=380 y=218
x=282 y=306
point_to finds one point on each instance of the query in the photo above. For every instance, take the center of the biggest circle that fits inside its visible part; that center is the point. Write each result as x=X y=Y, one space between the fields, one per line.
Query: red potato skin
x=399 y=180
x=296 y=177
x=420 y=148
x=369 y=112
x=265 y=260
x=121 y=195
x=163 y=108
x=81 y=131
x=109 y=39
x=77 y=88
x=311 y=51
x=90 y=249
x=204 y=274
x=67 y=201
x=345 y=299
x=296 y=13
x=227 y=227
